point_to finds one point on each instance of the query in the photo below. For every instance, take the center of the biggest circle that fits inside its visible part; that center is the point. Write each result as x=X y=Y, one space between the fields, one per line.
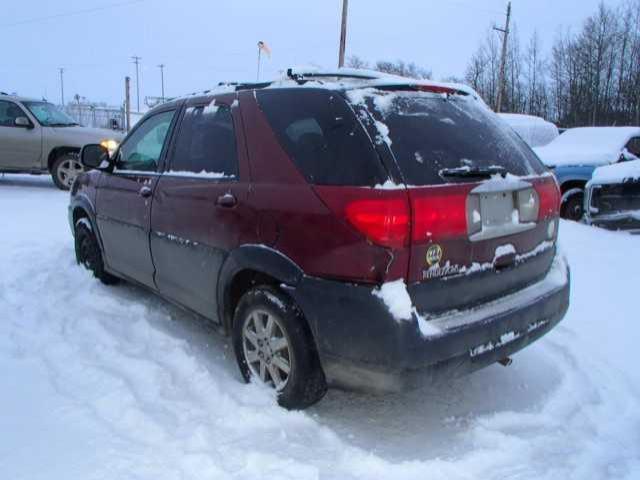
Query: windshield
x=49 y=115
x=430 y=133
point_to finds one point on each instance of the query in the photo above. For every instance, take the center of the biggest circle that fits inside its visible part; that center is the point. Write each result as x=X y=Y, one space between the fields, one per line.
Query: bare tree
x=399 y=67
x=355 y=61
x=403 y=69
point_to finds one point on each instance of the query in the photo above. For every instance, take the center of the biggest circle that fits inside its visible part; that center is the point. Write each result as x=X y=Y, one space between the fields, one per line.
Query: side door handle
x=145 y=192
x=227 y=200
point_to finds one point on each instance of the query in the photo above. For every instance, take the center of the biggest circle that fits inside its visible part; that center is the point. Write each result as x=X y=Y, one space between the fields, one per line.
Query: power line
x=70 y=14
x=452 y=3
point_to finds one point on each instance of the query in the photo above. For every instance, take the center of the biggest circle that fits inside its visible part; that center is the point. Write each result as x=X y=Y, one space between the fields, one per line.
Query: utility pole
x=127 y=103
x=161 y=67
x=136 y=60
x=61 y=85
x=343 y=33
x=503 y=60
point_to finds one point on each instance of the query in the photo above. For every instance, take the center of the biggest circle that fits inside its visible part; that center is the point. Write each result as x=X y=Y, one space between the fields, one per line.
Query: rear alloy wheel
x=65 y=169
x=266 y=349
x=273 y=344
x=572 y=207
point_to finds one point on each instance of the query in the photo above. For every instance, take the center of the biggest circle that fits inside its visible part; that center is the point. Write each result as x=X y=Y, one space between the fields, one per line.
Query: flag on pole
x=265 y=48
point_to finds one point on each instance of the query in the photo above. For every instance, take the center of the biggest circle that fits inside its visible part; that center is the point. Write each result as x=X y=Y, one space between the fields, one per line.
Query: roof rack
x=303 y=75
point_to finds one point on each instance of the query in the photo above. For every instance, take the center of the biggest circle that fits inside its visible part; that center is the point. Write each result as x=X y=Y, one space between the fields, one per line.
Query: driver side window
x=9 y=111
x=141 y=151
x=634 y=146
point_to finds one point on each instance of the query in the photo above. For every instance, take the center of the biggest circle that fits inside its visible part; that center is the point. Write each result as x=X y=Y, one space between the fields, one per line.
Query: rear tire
x=88 y=252
x=273 y=344
x=66 y=167
x=572 y=207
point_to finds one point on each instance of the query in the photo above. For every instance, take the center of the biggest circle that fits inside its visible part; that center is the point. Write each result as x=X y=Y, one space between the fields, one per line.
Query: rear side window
x=429 y=132
x=206 y=143
x=322 y=136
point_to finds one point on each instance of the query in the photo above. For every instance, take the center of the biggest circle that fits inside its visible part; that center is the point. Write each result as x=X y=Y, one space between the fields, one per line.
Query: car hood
x=79 y=136
x=556 y=157
x=618 y=173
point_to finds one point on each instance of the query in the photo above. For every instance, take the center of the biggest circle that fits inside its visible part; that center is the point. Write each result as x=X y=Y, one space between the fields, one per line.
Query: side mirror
x=23 y=122
x=95 y=156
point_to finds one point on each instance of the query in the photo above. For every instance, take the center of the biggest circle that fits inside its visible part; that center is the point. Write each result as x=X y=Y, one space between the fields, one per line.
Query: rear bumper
x=362 y=346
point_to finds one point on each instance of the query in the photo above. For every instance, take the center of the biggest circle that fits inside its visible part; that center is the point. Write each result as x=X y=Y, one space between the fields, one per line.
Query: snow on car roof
x=587 y=146
x=338 y=79
x=616 y=173
x=536 y=131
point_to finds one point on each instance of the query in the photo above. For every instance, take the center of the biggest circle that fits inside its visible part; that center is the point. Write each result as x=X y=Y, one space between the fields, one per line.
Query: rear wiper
x=475 y=172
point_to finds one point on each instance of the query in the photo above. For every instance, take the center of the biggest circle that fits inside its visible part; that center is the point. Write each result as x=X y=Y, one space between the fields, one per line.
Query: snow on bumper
x=362 y=346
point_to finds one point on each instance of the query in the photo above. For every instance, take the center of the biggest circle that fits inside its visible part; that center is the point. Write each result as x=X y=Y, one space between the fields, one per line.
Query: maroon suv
x=348 y=232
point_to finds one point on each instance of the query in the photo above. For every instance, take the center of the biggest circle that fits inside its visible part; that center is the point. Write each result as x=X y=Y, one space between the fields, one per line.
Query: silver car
x=36 y=137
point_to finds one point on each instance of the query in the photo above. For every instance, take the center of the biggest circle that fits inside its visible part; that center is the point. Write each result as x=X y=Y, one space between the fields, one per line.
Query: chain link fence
x=96 y=117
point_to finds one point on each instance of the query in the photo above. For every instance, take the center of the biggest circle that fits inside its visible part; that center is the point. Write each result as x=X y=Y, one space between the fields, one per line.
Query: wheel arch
x=57 y=151
x=250 y=265
x=81 y=207
x=572 y=185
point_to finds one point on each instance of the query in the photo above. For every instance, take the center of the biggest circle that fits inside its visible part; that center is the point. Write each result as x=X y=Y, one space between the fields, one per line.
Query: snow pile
x=535 y=131
x=504 y=250
x=112 y=382
x=390 y=185
x=587 y=146
x=616 y=173
x=397 y=299
x=201 y=174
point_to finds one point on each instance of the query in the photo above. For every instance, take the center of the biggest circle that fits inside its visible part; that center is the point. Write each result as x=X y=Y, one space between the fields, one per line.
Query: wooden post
x=127 y=103
x=503 y=60
x=343 y=33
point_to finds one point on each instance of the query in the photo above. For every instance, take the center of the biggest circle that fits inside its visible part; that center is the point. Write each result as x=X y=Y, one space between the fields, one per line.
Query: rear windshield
x=321 y=134
x=429 y=132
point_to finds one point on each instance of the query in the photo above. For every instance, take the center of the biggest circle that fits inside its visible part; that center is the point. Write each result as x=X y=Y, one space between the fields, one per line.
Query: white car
x=612 y=197
x=535 y=131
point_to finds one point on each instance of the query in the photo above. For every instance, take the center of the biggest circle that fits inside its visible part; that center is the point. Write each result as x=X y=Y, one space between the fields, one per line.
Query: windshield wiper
x=63 y=124
x=474 y=172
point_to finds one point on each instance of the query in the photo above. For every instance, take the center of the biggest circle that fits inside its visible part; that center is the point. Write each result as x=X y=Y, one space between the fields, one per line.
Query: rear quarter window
x=320 y=133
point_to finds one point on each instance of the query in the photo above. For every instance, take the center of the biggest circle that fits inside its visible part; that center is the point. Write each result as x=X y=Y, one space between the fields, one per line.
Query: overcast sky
x=203 y=42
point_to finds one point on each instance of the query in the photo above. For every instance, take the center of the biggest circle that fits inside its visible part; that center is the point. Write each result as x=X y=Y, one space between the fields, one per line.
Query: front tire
x=273 y=344
x=572 y=207
x=88 y=252
x=65 y=169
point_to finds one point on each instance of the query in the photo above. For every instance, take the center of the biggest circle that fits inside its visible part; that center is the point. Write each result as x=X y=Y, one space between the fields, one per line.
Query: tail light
x=384 y=221
x=549 y=194
x=439 y=212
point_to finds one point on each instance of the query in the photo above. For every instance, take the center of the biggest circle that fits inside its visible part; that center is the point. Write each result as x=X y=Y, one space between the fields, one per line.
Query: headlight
x=110 y=145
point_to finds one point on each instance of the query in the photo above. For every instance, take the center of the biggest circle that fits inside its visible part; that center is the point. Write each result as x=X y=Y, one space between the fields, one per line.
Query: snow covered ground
x=113 y=383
